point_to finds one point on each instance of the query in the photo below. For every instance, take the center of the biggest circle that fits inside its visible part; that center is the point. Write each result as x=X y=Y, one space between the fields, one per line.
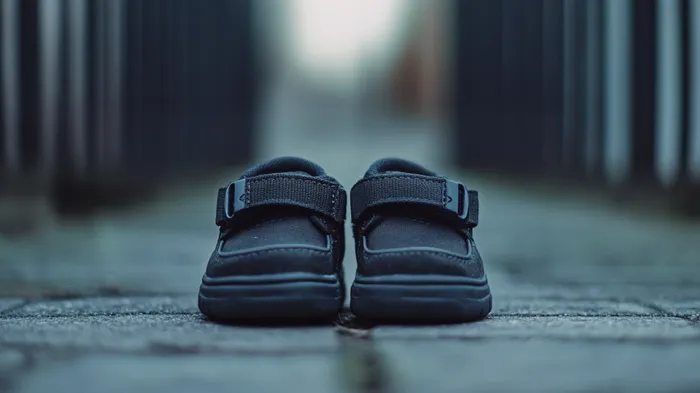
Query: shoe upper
x=409 y=220
x=282 y=216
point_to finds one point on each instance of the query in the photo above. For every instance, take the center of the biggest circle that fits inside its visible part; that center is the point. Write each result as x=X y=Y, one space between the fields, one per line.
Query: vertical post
x=552 y=82
x=617 y=132
x=668 y=100
x=575 y=88
x=50 y=67
x=134 y=81
x=113 y=61
x=694 y=129
x=99 y=85
x=643 y=89
x=593 y=87
x=9 y=15
x=477 y=91
x=77 y=84
x=521 y=77
x=569 y=85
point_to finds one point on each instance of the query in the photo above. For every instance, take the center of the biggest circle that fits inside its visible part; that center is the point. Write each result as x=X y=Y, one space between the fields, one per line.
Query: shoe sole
x=299 y=296
x=420 y=298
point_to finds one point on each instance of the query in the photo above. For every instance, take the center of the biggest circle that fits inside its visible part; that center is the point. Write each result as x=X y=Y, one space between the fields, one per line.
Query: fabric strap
x=320 y=196
x=415 y=189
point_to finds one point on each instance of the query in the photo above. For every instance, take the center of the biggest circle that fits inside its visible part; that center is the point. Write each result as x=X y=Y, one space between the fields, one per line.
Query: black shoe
x=280 y=247
x=416 y=256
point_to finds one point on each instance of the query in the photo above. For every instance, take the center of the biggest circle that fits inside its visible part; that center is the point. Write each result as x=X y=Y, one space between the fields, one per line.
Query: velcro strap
x=317 y=195
x=415 y=189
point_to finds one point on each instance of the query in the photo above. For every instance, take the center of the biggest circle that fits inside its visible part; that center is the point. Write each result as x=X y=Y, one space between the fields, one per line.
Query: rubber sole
x=297 y=296
x=413 y=298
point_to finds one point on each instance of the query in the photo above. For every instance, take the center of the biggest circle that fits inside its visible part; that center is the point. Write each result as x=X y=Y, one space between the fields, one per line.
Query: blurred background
x=578 y=121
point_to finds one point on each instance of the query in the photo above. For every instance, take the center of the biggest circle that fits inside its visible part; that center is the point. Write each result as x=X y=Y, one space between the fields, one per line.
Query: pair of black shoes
x=282 y=240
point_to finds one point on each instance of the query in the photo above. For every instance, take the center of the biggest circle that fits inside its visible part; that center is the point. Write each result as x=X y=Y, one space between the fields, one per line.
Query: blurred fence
x=128 y=86
x=594 y=89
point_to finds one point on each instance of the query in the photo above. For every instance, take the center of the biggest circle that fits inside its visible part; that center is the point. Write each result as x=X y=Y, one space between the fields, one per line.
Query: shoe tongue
x=292 y=165
x=397 y=165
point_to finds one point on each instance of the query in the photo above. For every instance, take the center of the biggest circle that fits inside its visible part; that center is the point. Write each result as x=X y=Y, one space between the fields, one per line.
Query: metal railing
x=596 y=89
x=132 y=86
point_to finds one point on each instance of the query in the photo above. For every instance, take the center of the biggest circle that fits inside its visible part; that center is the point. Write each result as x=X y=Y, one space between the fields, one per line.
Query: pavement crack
x=365 y=368
x=658 y=309
x=656 y=340
x=577 y=315
x=694 y=319
x=157 y=348
x=95 y=314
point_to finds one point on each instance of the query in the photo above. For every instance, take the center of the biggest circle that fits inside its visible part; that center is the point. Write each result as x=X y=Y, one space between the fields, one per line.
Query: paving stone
x=6 y=304
x=315 y=373
x=159 y=333
x=109 y=306
x=534 y=366
x=544 y=307
x=643 y=294
x=566 y=328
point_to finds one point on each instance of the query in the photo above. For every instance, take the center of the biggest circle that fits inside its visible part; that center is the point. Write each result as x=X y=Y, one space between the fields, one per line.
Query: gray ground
x=588 y=297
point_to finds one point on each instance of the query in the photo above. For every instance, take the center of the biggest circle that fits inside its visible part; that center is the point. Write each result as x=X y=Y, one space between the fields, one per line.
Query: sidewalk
x=584 y=301
x=554 y=341
x=587 y=297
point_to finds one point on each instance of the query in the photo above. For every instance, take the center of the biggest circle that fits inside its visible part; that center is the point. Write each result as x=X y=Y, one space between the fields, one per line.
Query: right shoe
x=414 y=242
x=280 y=245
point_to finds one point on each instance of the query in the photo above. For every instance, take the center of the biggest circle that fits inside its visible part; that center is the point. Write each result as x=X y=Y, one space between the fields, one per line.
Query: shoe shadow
x=349 y=321
x=292 y=323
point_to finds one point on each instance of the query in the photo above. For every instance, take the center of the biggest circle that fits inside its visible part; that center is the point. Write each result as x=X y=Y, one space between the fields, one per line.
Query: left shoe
x=280 y=246
x=416 y=255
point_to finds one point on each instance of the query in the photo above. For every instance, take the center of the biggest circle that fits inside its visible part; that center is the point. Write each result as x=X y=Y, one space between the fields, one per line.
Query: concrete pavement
x=563 y=319
x=587 y=297
x=535 y=343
